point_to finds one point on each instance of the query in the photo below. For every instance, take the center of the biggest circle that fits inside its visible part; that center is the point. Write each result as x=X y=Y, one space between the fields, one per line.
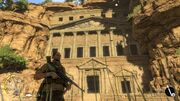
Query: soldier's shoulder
x=43 y=67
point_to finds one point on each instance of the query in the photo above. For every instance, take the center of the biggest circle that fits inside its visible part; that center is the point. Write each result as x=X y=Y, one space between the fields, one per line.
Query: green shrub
x=135 y=11
x=17 y=6
x=10 y=60
x=22 y=5
x=178 y=51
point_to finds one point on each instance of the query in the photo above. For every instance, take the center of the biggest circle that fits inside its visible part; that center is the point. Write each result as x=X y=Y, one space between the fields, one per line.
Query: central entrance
x=91 y=79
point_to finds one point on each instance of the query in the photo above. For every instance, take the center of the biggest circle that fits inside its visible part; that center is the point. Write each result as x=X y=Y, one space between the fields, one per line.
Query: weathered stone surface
x=159 y=25
x=25 y=33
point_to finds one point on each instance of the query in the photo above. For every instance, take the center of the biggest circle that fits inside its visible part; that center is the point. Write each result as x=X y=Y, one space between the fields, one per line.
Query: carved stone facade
x=99 y=53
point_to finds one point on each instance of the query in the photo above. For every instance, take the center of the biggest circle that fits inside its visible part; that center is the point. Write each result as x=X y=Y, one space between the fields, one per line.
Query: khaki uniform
x=51 y=87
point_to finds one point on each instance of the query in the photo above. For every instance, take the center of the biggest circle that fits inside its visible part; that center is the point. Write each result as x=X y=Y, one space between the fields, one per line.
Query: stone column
x=48 y=49
x=86 y=44
x=99 y=43
x=80 y=80
x=104 y=72
x=61 y=44
x=82 y=85
x=112 y=43
x=119 y=80
x=133 y=85
x=74 y=45
x=102 y=81
x=84 y=79
x=118 y=85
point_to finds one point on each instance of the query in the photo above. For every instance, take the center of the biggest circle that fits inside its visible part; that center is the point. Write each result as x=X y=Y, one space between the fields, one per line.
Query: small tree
x=6 y=4
x=9 y=4
x=2 y=5
x=21 y=5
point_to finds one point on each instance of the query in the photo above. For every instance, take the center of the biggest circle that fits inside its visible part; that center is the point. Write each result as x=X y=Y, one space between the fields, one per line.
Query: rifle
x=62 y=75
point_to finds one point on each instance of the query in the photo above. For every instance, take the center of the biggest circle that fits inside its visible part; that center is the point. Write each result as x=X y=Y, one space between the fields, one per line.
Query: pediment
x=87 y=24
x=92 y=64
x=125 y=72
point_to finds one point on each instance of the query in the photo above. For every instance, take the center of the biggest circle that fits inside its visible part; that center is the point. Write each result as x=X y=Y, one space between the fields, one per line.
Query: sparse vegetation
x=46 y=1
x=22 y=5
x=178 y=51
x=10 y=60
x=135 y=11
x=19 y=5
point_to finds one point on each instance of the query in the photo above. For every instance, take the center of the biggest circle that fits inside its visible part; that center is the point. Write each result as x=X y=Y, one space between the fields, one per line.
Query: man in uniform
x=53 y=87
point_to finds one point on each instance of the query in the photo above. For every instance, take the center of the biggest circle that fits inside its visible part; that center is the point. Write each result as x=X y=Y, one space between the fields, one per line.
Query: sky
x=40 y=1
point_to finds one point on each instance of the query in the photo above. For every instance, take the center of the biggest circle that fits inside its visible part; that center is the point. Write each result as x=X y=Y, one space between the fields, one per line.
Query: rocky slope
x=157 y=30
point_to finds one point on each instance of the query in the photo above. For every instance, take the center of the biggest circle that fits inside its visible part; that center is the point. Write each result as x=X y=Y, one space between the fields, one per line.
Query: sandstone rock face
x=28 y=32
x=26 y=35
x=157 y=30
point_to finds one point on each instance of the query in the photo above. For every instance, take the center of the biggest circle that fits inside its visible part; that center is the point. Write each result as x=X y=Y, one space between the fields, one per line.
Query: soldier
x=53 y=87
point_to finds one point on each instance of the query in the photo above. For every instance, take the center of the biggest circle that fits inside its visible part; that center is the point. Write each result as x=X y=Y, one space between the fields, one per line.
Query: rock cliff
x=157 y=29
x=27 y=33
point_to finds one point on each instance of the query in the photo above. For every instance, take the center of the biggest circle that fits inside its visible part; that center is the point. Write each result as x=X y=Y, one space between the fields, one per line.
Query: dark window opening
x=60 y=19
x=124 y=84
x=80 y=52
x=104 y=32
x=56 y=34
x=106 y=51
x=92 y=51
x=81 y=17
x=54 y=51
x=92 y=15
x=117 y=32
x=103 y=15
x=67 y=52
x=80 y=33
x=133 y=49
x=93 y=84
x=92 y=32
x=119 y=50
x=70 y=18
x=68 y=34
